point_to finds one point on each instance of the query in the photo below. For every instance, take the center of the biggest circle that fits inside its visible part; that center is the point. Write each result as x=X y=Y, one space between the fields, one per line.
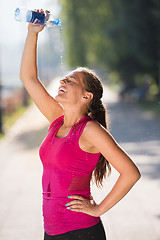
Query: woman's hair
x=97 y=111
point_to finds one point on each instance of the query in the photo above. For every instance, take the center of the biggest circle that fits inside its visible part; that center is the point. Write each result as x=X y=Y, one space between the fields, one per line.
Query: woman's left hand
x=81 y=204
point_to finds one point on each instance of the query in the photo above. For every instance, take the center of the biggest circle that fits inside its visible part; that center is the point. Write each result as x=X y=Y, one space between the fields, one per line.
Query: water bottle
x=25 y=15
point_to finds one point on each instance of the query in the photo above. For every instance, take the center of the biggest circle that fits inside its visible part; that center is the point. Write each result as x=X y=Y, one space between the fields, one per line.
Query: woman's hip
x=95 y=232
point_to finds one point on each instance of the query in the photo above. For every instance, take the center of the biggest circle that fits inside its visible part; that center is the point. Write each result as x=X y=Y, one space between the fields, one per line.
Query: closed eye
x=69 y=81
x=70 y=77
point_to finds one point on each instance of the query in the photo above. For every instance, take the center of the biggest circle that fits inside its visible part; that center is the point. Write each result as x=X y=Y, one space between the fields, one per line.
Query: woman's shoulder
x=96 y=132
x=94 y=129
x=92 y=135
x=99 y=137
x=93 y=124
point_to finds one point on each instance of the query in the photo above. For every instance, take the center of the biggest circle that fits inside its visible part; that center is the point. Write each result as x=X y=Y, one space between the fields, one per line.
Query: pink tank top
x=67 y=170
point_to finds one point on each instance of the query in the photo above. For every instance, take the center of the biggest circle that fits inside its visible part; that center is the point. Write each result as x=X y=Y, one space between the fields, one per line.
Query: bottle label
x=35 y=17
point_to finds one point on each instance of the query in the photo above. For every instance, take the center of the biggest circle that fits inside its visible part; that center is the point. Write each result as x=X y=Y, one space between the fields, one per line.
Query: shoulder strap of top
x=83 y=124
x=56 y=122
x=78 y=128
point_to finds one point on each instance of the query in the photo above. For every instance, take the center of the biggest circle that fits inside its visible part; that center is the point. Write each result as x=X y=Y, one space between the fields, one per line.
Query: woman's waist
x=57 y=210
x=64 y=194
x=54 y=201
x=53 y=196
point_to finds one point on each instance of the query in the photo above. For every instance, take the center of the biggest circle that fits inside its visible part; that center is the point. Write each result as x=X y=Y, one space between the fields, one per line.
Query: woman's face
x=72 y=89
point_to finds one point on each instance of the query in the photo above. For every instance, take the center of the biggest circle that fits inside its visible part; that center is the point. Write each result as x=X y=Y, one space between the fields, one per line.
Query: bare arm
x=49 y=107
x=107 y=146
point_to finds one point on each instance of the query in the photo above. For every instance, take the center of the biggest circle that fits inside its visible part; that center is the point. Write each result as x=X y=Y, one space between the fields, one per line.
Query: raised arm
x=49 y=107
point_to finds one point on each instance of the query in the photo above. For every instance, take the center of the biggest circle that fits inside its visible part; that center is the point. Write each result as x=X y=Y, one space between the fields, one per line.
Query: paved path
x=136 y=217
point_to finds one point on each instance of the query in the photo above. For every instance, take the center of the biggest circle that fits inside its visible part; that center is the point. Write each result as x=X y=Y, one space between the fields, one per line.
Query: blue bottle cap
x=16 y=14
x=57 y=22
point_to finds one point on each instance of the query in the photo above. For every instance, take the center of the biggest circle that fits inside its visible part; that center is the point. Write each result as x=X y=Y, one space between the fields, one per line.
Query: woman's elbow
x=136 y=175
x=21 y=76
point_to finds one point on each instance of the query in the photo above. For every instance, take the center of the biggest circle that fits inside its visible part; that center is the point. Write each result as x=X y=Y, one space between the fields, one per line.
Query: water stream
x=61 y=50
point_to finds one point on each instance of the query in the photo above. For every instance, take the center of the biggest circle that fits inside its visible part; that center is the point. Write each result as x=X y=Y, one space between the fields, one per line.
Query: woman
x=77 y=144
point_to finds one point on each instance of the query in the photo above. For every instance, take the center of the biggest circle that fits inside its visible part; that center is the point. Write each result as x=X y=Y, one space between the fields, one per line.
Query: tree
x=117 y=35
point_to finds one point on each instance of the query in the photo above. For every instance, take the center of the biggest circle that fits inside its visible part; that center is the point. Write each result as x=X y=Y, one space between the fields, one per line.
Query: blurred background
x=14 y=98
x=120 y=40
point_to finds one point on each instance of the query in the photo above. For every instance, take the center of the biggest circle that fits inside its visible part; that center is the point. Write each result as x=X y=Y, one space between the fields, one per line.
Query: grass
x=9 y=119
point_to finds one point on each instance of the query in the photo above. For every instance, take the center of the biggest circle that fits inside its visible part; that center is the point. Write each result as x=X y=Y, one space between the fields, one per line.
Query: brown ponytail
x=97 y=111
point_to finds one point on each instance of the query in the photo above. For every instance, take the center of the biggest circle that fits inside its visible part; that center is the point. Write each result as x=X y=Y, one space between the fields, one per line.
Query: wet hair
x=97 y=111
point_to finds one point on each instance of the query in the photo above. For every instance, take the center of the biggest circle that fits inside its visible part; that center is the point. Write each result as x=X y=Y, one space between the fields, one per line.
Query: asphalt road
x=136 y=217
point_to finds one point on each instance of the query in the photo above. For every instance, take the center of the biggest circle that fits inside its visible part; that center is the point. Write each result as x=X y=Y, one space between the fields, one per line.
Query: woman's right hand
x=35 y=28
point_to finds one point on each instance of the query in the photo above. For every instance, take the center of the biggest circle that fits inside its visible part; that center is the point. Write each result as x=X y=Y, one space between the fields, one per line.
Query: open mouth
x=61 y=89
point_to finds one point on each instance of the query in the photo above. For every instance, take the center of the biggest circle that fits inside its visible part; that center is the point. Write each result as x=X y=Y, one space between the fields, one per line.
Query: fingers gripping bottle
x=25 y=15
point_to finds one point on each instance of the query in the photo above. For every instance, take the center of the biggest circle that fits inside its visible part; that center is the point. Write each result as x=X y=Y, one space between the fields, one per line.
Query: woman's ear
x=87 y=96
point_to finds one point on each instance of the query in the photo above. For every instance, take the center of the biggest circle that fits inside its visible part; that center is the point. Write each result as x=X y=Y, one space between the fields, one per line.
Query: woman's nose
x=63 y=81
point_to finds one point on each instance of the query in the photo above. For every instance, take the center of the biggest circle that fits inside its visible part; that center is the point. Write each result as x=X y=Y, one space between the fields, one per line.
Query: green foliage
x=120 y=36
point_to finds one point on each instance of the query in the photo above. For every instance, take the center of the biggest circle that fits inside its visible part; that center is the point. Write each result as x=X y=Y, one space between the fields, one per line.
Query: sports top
x=67 y=170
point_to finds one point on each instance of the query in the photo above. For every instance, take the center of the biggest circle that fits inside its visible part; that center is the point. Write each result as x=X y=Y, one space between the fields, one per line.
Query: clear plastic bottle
x=25 y=15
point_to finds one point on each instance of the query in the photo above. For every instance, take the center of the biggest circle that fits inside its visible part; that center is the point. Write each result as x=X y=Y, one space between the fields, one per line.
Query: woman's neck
x=71 y=118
